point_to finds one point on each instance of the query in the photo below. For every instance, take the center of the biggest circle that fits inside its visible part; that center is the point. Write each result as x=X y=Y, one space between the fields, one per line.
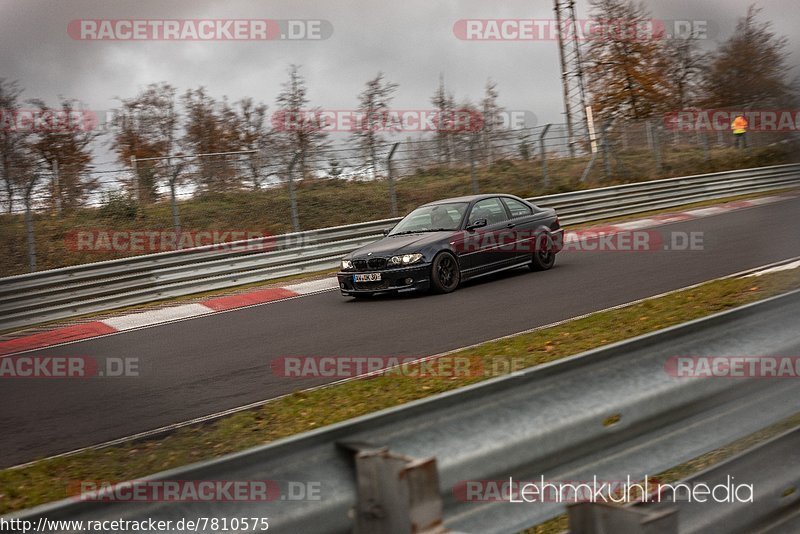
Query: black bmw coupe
x=441 y=244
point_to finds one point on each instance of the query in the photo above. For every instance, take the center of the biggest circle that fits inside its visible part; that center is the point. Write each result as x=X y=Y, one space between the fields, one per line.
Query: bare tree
x=254 y=135
x=373 y=107
x=444 y=104
x=13 y=143
x=684 y=65
x=146 y=127
x=750 y=68
x=65 y=146
x=492 y=131
x=625 y=69
x=300 y=128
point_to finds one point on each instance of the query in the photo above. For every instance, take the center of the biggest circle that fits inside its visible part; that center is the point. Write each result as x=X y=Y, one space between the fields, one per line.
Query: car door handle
x=510 y=225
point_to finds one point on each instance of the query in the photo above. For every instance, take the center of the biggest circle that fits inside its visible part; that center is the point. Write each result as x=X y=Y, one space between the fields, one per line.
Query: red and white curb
x=163 y=315
x=262 y=296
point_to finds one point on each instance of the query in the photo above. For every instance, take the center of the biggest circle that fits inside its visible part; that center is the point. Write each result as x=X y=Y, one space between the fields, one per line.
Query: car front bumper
x=416 y=278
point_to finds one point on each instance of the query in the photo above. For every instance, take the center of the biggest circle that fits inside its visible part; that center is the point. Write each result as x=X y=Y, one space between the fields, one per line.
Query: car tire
x=445 y=274
x=544 y=255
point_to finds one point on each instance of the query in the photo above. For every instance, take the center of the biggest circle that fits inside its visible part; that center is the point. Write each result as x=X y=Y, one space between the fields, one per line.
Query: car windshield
x=432 y=218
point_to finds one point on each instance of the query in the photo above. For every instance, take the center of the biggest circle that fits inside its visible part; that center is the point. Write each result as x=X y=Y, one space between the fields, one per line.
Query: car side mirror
x=477 y=223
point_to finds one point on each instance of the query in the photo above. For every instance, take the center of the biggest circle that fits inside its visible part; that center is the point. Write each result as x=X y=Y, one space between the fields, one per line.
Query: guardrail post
x=292 y=198
x=599 y=518
x=392 y=194
x=397 y=494
x=546 y=179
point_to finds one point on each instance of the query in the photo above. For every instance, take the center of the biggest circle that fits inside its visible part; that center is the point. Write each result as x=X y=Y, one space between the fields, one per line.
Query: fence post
x=57 y=186
x=176 y=219
x=392 y=194
x=29 y=226
x=657 y=142
x=473 y=176
x=606 y=159
x=589 y=166
x=135 y=179
x=544 y=155
x=292 y=198
x=655 y=145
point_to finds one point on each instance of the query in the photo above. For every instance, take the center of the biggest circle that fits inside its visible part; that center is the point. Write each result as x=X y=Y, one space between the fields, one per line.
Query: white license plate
x=368 y=277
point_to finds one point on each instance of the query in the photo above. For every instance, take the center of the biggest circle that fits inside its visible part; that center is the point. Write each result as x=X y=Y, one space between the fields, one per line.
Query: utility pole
x=571 y=72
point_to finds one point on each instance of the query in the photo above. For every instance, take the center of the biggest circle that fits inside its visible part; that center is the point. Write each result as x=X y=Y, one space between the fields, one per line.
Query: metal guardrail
x=65 y=292
x=550 y=421
x=775 y=506
x=772 y=468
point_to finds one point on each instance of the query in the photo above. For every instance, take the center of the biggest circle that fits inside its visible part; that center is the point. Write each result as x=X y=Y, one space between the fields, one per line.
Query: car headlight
x=347 y=264
x=405 y=259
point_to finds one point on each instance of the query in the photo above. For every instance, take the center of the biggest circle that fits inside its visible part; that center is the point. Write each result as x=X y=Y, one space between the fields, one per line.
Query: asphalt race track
x=216 y=362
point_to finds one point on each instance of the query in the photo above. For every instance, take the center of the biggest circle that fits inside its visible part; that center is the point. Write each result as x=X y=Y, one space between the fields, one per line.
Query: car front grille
x=372 y=264
x=377 y=263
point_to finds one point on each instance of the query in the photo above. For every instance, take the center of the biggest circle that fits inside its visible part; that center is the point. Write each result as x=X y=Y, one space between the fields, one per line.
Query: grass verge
x=48 y=479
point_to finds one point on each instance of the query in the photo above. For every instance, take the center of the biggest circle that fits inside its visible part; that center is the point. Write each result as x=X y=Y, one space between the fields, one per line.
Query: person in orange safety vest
x=739 y=129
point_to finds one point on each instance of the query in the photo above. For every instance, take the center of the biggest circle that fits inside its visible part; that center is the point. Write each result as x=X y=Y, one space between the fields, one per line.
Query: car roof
x=467 y=198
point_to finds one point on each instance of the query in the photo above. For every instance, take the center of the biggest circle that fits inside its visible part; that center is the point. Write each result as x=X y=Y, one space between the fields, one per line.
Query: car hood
x=401 y=244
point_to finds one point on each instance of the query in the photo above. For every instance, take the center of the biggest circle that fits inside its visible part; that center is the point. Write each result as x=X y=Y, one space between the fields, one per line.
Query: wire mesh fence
x=288 y=190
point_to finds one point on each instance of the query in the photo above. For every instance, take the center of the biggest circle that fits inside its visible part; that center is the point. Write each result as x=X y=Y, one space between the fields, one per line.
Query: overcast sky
x=412 y=41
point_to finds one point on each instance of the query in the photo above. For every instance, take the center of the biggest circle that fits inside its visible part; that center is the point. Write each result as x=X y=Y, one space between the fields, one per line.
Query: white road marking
x=642 y=223
x=705 y=212
x=313 y=286
x=137 y=320
x=785 y=267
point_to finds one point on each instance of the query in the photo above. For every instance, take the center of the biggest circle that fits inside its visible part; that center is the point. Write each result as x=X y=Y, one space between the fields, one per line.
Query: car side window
x=490 y=209
x=517 y=208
